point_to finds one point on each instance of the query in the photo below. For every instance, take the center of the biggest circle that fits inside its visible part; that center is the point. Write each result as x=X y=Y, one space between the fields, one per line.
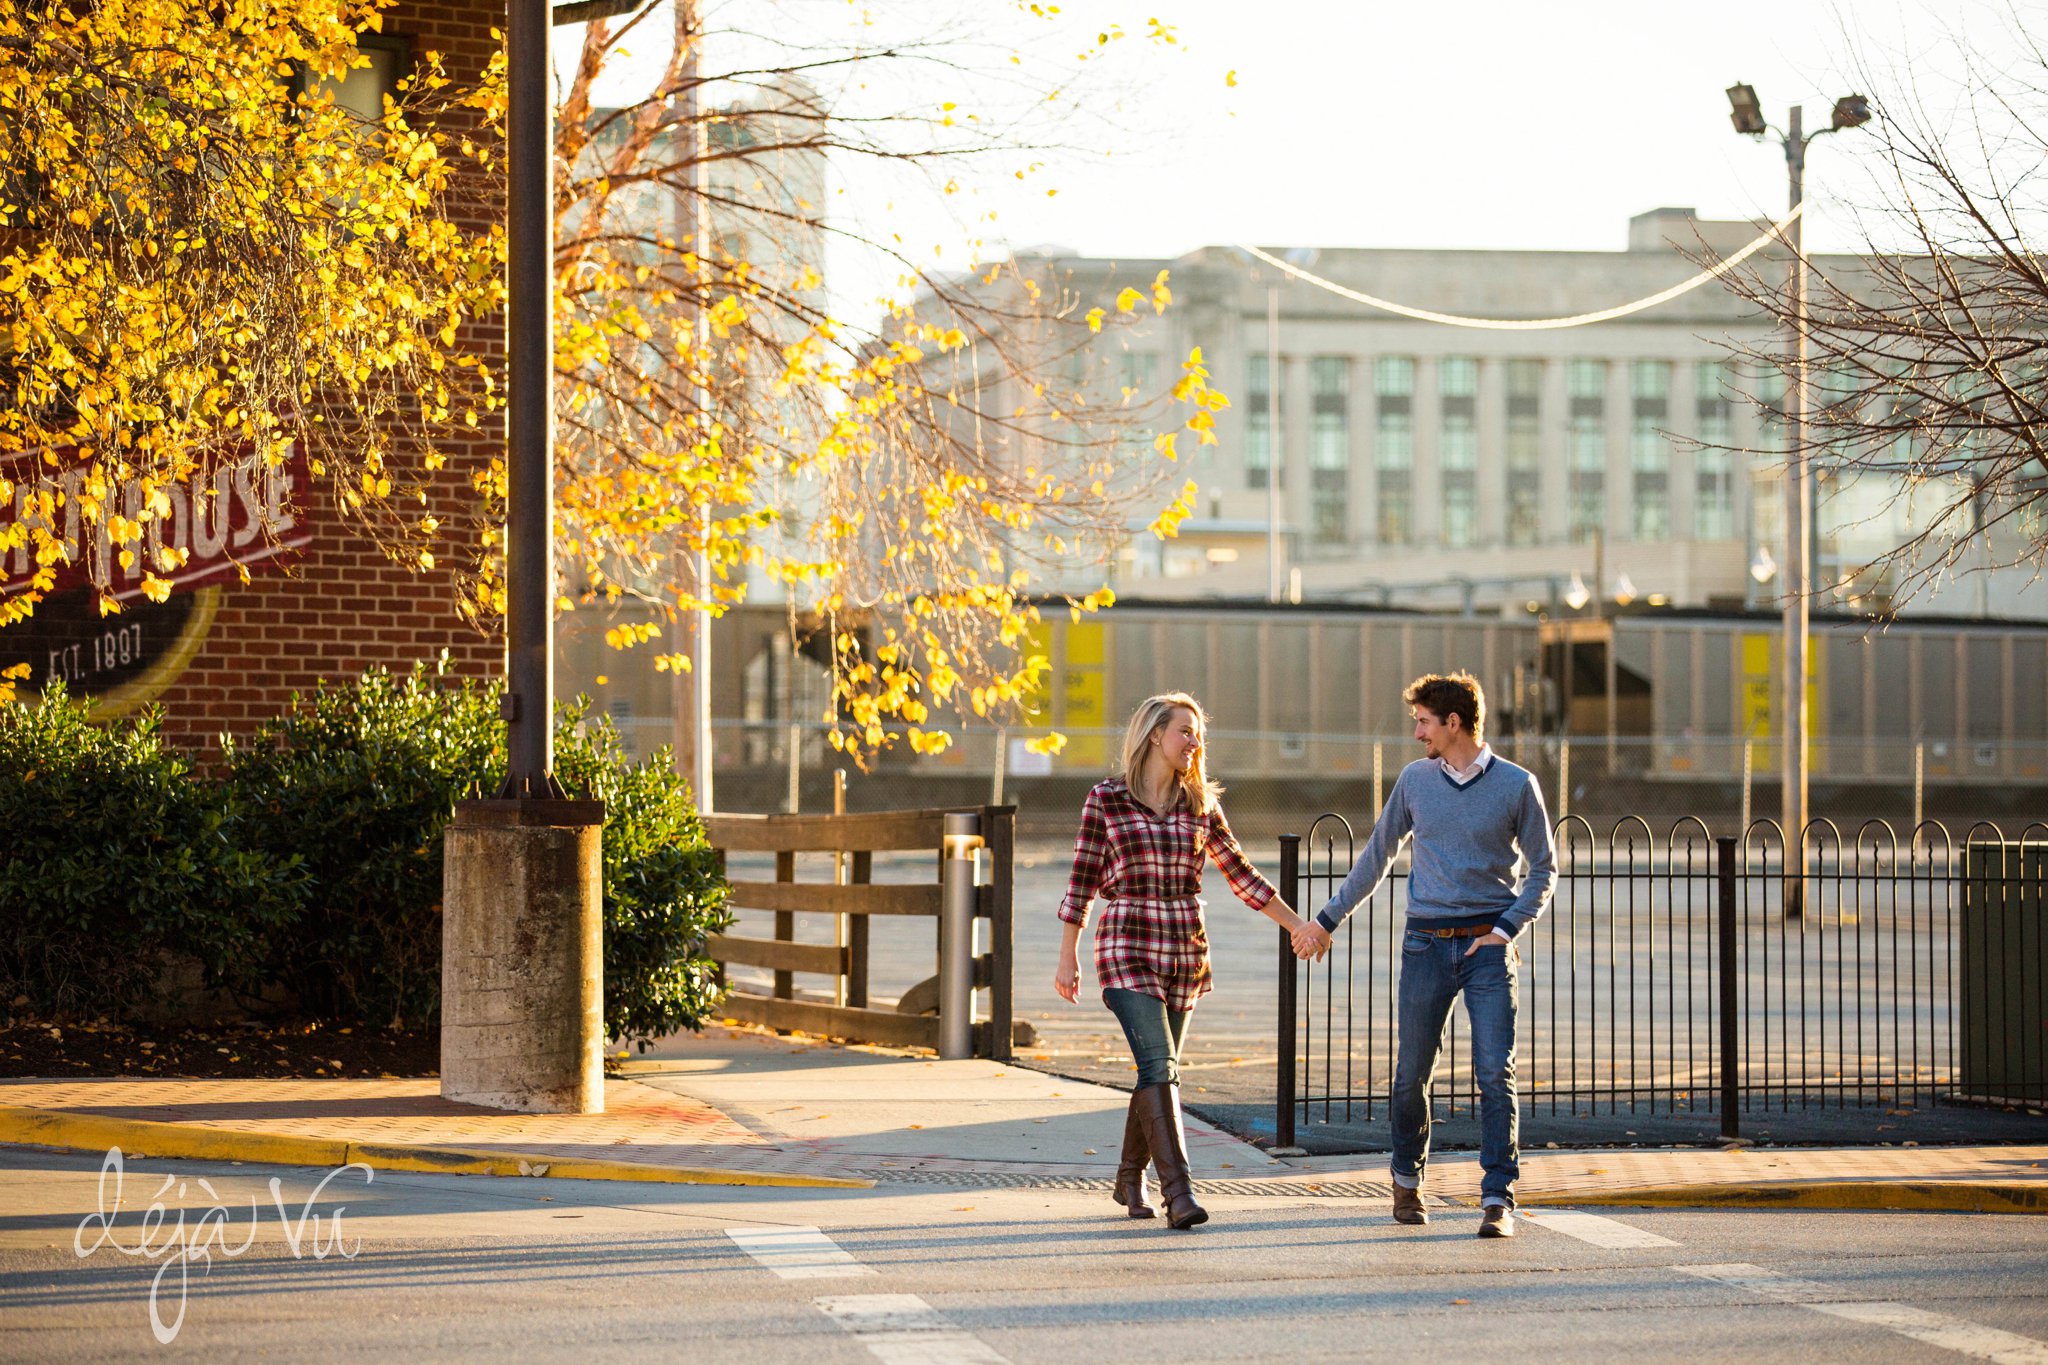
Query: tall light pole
x=690 y=690
x=522 y=956
x=1747 y=115
x=530 y=364
x=1276 y=443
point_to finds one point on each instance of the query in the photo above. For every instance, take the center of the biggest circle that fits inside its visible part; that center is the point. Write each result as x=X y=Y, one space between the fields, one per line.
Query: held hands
x=1311 y=941
x=1066 y=979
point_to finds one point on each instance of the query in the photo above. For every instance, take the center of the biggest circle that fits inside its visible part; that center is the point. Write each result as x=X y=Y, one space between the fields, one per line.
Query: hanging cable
x=1713 y=272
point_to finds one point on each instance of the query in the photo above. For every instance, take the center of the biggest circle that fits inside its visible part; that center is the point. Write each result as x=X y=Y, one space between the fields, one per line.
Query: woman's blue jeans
x=1153 y=1031
x=1434 y=972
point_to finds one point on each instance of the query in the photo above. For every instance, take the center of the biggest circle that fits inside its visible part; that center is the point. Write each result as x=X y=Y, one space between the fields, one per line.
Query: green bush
x=313 y=860
x=361 y=780
x=663 y=890
x=114 y=857
x=364 y=779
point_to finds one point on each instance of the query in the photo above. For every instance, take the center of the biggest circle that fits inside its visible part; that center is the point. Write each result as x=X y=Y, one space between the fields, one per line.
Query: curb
x=142 y=1137
x=1931 y=1196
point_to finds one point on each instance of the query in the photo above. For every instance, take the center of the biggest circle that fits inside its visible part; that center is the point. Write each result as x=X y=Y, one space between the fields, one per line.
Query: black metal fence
x=1702 y=975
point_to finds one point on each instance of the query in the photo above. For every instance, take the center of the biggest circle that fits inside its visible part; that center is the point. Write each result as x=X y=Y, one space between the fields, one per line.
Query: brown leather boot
x=1130 y=1172
x=1408 y=1206
x=1159 y=1109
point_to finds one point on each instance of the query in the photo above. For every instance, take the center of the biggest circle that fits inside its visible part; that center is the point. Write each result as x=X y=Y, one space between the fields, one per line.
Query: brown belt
x=1465 y=931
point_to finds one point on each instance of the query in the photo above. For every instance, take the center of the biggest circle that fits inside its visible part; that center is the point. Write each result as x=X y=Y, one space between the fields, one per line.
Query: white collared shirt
x=1480 y=763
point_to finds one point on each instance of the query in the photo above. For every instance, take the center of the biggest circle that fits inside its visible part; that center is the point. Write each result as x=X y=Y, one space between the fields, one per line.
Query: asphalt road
x=453 y=1268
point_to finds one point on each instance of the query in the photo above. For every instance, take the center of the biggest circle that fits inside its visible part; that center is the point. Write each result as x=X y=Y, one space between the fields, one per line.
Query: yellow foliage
x=328 y=297
x=311 y=292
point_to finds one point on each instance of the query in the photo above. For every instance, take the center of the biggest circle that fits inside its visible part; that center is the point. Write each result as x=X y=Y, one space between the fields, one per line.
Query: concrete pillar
x=1683 y=422
x=1428 y=476
x=1621 y=478
x=522 y=957
x=1493 y=443
x=1365 y=482
x=1554 y=414
x=1297 y=518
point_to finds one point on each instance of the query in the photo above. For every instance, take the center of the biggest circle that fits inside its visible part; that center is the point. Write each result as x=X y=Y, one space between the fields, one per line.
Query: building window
x=1525 y=452
x=1140 y=374
x=1258 y=422
x=1649 y=448
x=363 y=89
x=1458 y=447
x=1136 y=373
x=1329 y=448
x=1586 y=445
x=1714 y=465
x=1394 y=448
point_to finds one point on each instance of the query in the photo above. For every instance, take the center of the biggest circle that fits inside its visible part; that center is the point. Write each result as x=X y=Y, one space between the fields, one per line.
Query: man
x=1470 y=813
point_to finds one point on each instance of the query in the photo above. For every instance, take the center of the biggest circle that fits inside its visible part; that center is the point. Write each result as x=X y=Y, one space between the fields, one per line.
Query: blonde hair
x=1152 y=716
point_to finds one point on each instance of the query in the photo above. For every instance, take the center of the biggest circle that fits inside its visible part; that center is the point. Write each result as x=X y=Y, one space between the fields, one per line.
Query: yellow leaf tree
x=203 y=257
x=868 y=456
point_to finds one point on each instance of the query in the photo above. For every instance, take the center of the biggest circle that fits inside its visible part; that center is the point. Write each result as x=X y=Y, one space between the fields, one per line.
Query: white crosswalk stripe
x=903 y=1329
x=1592 y=1228
x=1935 y=1329
x=797 y=1253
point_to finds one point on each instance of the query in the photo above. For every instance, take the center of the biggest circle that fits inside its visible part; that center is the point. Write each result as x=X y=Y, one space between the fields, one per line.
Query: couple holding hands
x=1472 y=817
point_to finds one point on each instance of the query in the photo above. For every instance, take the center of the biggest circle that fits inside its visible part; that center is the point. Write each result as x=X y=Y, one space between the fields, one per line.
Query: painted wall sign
x=244 y=517
x=120 y=661
x=241 y=517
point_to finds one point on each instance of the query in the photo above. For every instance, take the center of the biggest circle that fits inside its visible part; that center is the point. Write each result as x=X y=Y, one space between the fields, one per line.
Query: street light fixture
x=1850 y=111
x=1575 y=594
x=1744 y=112
x=1763 y=568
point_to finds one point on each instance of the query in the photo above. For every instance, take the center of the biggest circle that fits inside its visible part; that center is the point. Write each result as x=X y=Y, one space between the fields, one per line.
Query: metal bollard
x=1727 y=934
x=1290 y=975
x=960 y=869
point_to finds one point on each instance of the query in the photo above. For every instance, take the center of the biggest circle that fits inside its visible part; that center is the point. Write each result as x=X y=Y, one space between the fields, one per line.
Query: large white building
x=1430 y=465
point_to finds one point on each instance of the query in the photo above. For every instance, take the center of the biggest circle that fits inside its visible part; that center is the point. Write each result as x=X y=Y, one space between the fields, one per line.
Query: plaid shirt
x=1148 y=868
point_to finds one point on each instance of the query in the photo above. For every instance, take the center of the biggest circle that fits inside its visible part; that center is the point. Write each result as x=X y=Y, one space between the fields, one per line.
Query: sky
x=1475 y=124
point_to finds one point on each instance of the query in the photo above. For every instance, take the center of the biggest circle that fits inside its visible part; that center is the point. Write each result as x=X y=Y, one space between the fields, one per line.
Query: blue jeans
x=1433 y=972
x=1153 y=1031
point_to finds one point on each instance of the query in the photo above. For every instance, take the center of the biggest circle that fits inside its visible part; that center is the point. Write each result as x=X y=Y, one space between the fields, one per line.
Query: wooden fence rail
x=854 y=895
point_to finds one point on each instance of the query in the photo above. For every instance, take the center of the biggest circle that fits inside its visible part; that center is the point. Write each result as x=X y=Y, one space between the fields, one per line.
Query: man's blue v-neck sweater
x=1467 y=842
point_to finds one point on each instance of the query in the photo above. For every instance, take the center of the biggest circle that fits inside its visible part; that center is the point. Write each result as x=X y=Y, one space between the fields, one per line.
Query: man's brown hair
x=1450 y=694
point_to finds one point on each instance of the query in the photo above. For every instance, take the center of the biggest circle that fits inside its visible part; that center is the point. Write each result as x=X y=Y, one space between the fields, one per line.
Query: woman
x=1143 y=836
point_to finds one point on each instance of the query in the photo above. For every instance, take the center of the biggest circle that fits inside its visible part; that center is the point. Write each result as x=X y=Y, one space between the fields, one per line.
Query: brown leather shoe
x=1130 y=1171
x=1496 y=1221
x=1159 y=1109
x=1408 y=1206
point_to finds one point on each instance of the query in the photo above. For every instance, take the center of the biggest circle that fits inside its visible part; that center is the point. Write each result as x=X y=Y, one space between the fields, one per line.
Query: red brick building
x=322 y=602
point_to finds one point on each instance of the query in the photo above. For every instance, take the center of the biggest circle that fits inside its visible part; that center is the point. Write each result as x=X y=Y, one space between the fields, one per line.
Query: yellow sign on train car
x=1084 y=695
x=1757 y=696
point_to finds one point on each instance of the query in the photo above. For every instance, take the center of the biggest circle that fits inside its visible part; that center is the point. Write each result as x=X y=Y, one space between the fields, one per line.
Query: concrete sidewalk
x=739 y=1106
